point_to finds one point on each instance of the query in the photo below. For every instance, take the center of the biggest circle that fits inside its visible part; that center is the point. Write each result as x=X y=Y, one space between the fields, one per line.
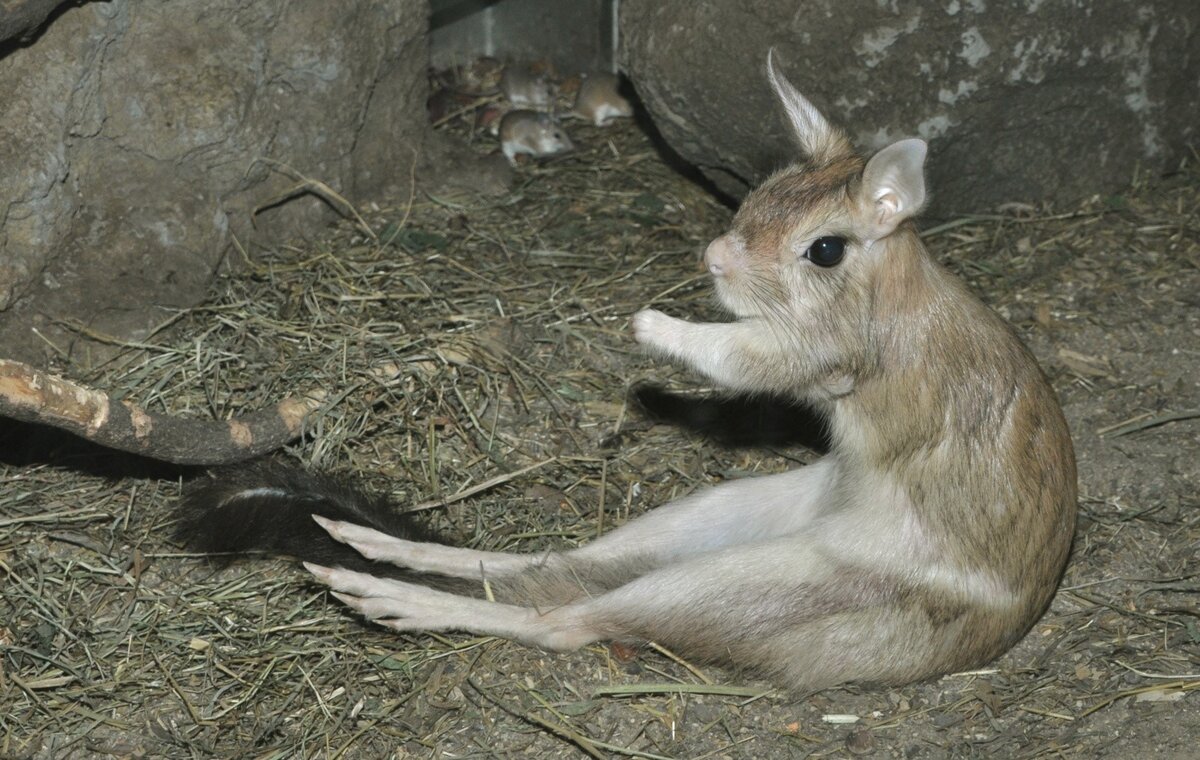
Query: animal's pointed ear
x=893 y=187
x=818 y=138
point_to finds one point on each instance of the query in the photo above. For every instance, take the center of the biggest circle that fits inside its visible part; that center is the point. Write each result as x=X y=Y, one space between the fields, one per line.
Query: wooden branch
x=31 y=395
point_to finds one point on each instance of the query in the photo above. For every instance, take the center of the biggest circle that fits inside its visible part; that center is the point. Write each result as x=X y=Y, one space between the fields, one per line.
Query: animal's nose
x=716 y=256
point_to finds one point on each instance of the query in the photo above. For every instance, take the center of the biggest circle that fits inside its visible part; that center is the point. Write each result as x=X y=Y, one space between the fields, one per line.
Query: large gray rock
x=132 y=135
x=1021 y=100
x=19 y=18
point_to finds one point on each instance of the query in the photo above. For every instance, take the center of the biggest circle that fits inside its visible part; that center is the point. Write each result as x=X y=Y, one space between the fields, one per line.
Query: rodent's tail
x=268 y=507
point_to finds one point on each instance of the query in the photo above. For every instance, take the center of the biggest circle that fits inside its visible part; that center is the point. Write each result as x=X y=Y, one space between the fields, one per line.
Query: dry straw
x=476 y=361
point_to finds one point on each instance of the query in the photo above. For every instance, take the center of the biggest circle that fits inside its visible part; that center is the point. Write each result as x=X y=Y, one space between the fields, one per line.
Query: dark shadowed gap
x=25 y=444
x=735 y=421
x=668 y=155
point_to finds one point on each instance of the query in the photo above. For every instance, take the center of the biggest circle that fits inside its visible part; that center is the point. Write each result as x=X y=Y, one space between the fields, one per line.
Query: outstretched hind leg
x=736 y=512
x=780 y=608
x=723 y=606
x=411 y=607
x=426 y=557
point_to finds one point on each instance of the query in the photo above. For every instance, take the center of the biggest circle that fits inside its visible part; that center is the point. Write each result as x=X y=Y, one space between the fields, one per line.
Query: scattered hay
x=475 y=355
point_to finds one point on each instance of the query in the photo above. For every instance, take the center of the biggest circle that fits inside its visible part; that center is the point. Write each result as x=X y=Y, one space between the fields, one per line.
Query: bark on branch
x=31 y=395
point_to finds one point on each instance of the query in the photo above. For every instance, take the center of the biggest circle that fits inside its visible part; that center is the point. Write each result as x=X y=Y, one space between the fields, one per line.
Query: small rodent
x=523 y=88
x=532 y=133
x=928 y=540
x=599 y=99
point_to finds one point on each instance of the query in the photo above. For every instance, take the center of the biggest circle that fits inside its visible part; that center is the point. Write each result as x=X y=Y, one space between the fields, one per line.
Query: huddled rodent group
x=523 y=106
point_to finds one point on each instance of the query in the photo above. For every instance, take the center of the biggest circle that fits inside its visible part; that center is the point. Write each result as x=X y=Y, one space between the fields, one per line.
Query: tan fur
x=599 y=99
x=532 y=133
x=929 y=539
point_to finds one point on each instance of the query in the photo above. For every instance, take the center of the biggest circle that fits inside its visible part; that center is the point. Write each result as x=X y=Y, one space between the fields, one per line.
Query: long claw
x=332 y=527
x=368 y=542
x=320 y=572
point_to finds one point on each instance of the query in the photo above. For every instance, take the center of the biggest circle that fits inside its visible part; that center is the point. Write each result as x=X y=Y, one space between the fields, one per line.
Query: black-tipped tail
x=268 y=507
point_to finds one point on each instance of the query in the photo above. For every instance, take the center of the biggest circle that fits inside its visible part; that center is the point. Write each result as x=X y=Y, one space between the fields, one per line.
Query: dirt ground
x=461 y=341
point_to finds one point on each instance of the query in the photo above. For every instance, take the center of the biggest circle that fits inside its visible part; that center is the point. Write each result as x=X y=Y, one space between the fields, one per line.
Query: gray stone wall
x=576 y=35
x=1021 y=100
x=136 y=136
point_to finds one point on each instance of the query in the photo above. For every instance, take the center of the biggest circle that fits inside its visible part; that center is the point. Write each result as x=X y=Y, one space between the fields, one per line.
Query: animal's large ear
x=893 y=187
x=819 y=139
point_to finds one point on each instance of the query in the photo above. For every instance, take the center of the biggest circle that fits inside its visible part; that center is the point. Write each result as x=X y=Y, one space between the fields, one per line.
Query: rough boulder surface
x=1022 y=100
x=133 y=137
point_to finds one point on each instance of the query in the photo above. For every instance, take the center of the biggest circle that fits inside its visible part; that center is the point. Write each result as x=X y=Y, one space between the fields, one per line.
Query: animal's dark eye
x=826 y=251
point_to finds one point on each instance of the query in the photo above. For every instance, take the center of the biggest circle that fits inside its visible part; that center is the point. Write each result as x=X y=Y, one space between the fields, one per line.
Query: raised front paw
x=654 y=329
